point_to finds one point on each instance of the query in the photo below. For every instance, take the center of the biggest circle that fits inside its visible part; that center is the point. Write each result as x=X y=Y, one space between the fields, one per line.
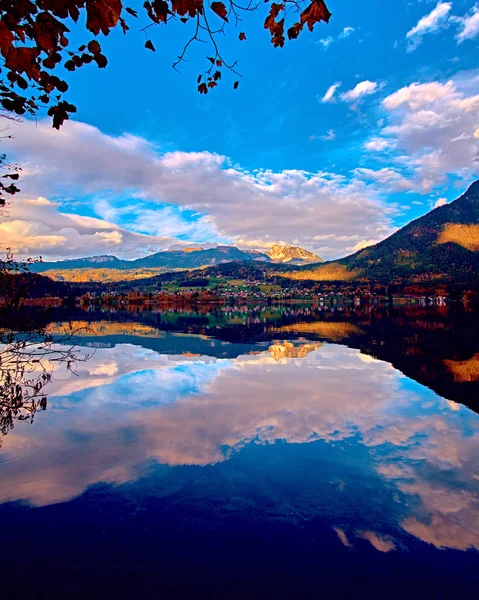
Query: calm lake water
x=250 y=453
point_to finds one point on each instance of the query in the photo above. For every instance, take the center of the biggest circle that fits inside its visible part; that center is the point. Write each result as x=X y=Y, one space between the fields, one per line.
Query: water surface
x=250 y=453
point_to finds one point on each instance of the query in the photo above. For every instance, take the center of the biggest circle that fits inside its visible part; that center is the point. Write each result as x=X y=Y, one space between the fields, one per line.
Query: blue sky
x=277 y=160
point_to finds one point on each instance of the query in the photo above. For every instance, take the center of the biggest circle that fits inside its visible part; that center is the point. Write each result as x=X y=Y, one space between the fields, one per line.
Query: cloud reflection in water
x=130 y=408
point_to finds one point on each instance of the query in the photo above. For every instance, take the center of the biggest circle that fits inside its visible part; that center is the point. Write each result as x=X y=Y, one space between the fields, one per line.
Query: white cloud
x=329 y=136
x=430 y=23
x=377 y=144
x=364 y=88
x=346 y=32
x=469 y=25
x=327 y=41
x=440 y=202
x=329 y=96
x=431 y=129
x=390 y=179
x=35 y=226
x=290 y=205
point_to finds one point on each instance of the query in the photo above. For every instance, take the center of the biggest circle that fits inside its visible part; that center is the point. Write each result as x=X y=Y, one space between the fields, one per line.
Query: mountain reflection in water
x=197 y=436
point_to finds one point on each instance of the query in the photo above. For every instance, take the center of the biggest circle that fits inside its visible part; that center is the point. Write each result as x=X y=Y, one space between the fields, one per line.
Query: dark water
x=250 y=453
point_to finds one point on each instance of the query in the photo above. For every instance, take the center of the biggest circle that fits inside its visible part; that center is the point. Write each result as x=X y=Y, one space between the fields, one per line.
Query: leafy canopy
x=34 y=41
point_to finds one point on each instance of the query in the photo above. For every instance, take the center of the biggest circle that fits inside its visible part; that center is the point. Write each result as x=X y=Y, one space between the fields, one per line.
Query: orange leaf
x=317 y=11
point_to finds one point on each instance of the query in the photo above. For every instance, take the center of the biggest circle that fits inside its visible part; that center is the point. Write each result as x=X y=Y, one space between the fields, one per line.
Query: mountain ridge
x=109 y=268
x=441 y=244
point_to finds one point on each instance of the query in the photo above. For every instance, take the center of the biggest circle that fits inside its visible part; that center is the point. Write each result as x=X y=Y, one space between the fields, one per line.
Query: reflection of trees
x=27 y=361
x=28 y=353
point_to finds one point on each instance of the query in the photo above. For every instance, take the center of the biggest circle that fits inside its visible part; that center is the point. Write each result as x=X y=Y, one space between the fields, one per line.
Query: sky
x=330 y=143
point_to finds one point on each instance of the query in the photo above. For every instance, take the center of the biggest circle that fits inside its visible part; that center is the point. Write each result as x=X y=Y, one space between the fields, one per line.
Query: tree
x=34 y=41
x=28 y=353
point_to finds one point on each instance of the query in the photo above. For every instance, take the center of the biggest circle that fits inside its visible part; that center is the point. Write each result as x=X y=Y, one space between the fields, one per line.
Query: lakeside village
x=239 y=292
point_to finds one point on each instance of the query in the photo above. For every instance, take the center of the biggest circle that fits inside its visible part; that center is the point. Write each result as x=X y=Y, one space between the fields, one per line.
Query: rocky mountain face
x=441 y=245
x=292 y=255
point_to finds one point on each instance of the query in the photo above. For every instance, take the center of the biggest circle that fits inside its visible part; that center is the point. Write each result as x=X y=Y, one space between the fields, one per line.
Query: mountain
x=112 y=269
x=441 y=246
x=292 y=255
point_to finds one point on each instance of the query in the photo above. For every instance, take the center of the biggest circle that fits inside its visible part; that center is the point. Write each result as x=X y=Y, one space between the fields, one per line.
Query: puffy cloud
x=469 y=25
x=377 y=144
x=431 y=130
x=36 y=226
x=440 y=202
x=330 y=95
x=293 y=206
x=390 y=179
x=430 y=23
x=364 y=88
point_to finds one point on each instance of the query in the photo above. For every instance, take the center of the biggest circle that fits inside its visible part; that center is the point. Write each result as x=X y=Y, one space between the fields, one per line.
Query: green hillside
x=440 y=246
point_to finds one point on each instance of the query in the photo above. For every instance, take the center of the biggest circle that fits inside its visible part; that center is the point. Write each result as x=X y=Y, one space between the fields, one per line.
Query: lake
x=249 y=452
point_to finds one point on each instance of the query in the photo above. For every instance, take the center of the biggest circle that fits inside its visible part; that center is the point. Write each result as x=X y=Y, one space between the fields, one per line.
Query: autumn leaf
x=24 y=60
x=273 y=13
x=6 y=38
x=235 y=85
x=242 y=36
x=212 y=84
x=149 y=45
x=317 y=11
x=94 y=47
x=100 y=60
x=102 y=16
x=131 y=11
x=220 y=9
x=294 y=31
x=60 y=113
x=202 y=88
x=190 y=7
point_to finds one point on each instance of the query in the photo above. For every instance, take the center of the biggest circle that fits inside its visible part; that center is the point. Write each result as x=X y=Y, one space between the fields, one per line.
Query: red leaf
x=220 y=9
x=149 y=45
x=6 y=39
x=100 y=60
x=190 y=7
x=24 y=60
x=219 y=63
x=60 y=113
x=132 y=12
x=317 y=11
x=102 y=16
x=294 y=31
x=94 y=47
x=242 y=36
x=202 y=88
x=212 y=84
